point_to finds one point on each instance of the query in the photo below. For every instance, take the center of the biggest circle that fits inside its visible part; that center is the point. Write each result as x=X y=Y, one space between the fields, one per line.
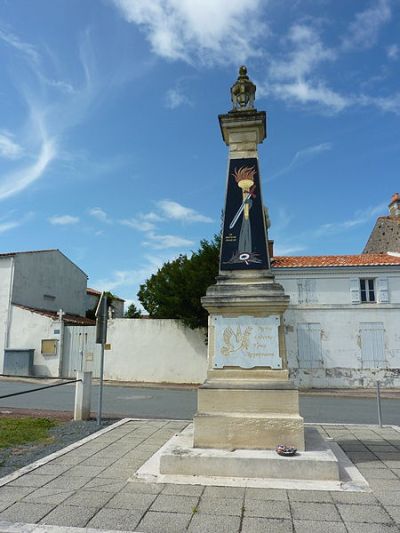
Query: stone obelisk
x=247 y=400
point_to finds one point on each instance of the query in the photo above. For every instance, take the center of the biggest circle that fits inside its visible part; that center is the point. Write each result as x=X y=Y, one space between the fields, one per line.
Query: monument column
x=247 y=400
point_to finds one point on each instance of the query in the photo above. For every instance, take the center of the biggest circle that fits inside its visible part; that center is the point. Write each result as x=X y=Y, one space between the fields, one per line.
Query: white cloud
x=293 y=78
x=6 y=226
x=176 y=98
x=162 y=242
x=364 y=30
x=22 y=178
x=99 y=214
x=176 y=211
x=9 y=149
x=393 y=52
x=208 y=31
x=15 y=42
x=138 y=224
x=283 y=250
x=151 y=217
x=359 y=218
x=63 y=220
x=389 y=103
x=302 y=156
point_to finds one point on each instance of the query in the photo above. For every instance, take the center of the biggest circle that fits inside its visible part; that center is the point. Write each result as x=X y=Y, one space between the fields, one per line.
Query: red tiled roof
x=319 y=261
x=73 y=320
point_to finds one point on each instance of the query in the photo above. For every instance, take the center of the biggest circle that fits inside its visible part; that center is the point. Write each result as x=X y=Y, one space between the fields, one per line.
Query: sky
x=110 y=147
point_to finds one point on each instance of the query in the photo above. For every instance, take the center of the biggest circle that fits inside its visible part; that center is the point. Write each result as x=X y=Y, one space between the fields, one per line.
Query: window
x=367 y=290
x=372 y=342
x=306 y=291
x=309 y=345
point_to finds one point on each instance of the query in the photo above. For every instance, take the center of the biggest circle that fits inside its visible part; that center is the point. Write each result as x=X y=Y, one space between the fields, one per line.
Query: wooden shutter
x=355 y=291
x=309 y=345
x=372 y=344
x=382 y=287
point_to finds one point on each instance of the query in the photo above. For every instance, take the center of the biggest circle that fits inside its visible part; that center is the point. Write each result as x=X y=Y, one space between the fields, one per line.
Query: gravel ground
x=64 y=433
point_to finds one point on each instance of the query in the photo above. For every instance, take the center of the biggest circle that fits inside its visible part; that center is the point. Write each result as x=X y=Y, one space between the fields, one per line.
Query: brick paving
x=88 y=488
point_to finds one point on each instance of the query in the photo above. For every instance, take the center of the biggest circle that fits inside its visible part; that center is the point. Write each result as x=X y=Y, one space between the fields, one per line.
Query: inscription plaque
x=247 y=342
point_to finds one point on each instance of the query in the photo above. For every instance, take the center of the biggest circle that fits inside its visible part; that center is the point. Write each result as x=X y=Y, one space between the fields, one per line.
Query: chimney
x=394 y=206
x=270 y=248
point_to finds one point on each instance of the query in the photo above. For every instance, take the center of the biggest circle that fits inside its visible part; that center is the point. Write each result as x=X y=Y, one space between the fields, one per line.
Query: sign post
x=101 y=338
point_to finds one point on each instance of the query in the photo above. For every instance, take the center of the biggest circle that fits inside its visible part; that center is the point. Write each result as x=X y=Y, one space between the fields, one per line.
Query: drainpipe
x=9 y=310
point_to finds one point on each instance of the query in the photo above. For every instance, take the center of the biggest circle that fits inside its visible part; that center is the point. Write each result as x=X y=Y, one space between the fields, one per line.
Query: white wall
x=48 y=280
x=5 y=287
x=155 y=351
x=331 y=306
x=27 y=331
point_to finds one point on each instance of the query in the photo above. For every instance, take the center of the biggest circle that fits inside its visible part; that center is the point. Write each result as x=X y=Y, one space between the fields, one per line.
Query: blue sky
x=110 y=148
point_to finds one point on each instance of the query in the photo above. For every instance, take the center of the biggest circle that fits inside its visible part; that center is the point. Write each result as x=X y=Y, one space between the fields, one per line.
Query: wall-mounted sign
x=244 y=238
x=247 y=342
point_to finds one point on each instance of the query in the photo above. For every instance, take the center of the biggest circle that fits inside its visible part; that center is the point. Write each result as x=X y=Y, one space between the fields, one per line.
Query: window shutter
x=300 y=291
x=372 y=344
x=355 y=291
x=309 y=345
x=383 y=290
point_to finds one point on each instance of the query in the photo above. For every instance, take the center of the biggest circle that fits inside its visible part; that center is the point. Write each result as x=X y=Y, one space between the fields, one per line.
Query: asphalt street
x=181 y=403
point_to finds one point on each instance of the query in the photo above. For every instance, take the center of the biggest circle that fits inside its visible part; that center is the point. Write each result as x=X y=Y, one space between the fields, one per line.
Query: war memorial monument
x=247 y=406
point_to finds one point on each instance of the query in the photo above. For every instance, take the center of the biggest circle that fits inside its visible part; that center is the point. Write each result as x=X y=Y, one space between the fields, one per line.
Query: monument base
x=248 y=414
x=318 y=462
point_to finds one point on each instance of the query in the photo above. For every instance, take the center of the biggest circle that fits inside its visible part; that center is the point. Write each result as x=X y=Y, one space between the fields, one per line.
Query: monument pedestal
x=247 y=401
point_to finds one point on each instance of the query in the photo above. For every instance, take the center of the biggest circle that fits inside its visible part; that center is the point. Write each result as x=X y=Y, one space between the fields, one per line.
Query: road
x=181 y=403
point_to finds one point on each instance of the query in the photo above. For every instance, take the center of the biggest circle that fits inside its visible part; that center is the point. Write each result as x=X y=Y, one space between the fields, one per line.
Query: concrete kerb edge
x=18 y=527
x=44 y=460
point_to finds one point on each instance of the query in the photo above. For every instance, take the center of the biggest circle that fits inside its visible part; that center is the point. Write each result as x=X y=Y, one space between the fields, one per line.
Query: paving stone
x=224 y=492
x=120 y=473
x=157 y=522
x=175 y=504
x=221 y=506
x=69 y=516
x=48 y=495
x=67 y=483
x=53 y=470
x=30 y=480
x=5 y=504
x=378 y=473
x=354 y=497
x=394 y=512
x=364 y=513
x=309 y=496
x=355 y=527
x=183 y=490
x=89 y=498
x=267 y=509
x=8 y=493
x=126 y=500
x=305 y=526
x=266 y=494
x=112 y=519
x=314 y=511
x=387 y=498
x=210 y=524
x=264 y=525
x=26 y=512
x=391 y=464
x=104 y=484
x=145 y=488
x=385 y=484
x=85 y=471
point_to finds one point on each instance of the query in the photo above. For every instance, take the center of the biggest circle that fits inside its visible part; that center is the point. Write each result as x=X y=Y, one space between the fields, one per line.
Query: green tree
x=133 y=312
x=175 y=290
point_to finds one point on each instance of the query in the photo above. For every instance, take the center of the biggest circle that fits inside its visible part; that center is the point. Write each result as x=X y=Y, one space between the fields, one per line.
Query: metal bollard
x=378 y=399
x=82 y=396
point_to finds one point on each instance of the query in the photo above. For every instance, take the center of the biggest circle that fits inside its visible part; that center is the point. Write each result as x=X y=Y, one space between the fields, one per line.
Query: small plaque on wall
x=247 y=342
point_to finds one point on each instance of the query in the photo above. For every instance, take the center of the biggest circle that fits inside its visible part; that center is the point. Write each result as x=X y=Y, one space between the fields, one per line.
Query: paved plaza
x=86 y=486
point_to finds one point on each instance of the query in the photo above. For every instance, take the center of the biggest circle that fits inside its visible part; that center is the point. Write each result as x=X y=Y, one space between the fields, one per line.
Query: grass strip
x=26 y=430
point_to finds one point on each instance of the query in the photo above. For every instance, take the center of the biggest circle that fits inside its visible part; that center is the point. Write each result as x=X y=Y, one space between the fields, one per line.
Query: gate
x=80 y=351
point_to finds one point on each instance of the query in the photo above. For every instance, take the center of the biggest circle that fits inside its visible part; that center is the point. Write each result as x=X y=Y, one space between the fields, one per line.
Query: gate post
x=82 y=396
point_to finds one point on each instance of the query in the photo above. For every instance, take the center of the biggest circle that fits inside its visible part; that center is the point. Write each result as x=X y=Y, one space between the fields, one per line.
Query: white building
x=34 y=286
x=342 y=324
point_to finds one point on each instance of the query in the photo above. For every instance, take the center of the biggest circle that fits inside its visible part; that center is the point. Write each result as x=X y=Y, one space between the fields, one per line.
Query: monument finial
x=243 y=92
